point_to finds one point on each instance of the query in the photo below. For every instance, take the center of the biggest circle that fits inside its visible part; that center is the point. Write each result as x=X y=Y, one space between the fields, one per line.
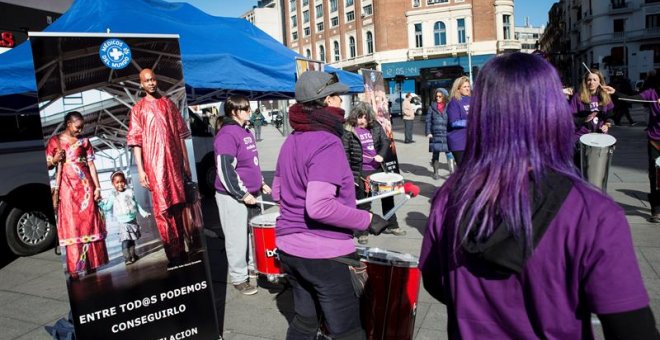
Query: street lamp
x=469 y=53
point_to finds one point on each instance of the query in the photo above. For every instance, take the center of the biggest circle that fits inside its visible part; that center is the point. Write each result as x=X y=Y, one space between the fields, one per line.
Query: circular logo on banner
x=115 y=54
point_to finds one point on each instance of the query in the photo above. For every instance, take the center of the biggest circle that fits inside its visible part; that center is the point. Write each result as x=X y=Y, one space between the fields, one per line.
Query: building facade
x=408 y=40
x=267 y=17
x=618 y=37
x=529 y=37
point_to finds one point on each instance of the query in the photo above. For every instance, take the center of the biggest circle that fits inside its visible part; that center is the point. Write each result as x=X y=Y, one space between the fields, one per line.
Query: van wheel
x=206 y=176
x=419 y=112
x=29 y=232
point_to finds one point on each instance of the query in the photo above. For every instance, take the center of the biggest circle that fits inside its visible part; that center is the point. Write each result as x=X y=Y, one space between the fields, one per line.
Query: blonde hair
x=454 y=93
x=585 y=96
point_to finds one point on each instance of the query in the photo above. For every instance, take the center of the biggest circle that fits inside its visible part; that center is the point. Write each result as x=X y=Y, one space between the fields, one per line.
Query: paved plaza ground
x=33 y=291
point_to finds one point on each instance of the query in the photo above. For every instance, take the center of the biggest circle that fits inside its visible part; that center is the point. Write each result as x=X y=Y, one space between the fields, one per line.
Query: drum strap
x=358 y=271
x=508 y=253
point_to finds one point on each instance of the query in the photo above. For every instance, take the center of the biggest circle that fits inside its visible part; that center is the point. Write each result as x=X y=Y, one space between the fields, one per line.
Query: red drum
x=389 y=303
x=263 y=241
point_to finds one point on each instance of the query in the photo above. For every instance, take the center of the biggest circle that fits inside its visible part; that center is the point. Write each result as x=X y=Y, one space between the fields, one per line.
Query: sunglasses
x=333 y=80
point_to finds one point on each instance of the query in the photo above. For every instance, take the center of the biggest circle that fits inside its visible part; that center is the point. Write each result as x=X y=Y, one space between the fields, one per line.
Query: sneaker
x=252 y=274
x=395 y=231
x=246 y=288
x=363 y=239
x=655 y=218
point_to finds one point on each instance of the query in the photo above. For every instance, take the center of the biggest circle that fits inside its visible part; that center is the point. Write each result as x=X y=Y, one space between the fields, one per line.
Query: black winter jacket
x=353 y=147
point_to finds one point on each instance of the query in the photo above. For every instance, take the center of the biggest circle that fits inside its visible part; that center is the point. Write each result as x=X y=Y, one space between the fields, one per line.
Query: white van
x=396 y=99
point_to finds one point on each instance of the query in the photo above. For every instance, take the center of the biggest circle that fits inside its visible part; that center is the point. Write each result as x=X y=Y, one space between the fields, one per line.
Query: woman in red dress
x=80 y=227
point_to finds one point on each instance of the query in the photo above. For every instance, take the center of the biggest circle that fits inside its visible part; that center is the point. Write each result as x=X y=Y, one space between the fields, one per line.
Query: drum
x=266 y=261
x=389 y=303
x=596 y=150
x=383 y=182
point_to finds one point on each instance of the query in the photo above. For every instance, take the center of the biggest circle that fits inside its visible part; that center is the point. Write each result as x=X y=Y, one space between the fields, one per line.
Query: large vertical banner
x=128 y=216
x=374 y=94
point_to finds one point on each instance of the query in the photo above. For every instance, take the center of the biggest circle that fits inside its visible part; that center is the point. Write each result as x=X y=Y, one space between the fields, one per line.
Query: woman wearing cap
x=237 y=185
x=314 y=185
x=436 y=127
x=457 y=113
x=518 y=246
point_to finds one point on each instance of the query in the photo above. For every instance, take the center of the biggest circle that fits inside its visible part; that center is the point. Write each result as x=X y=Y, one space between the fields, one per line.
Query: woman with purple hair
x=517 y=245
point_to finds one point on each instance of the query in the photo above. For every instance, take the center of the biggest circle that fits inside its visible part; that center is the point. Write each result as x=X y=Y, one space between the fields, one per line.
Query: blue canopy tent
x=220 y=55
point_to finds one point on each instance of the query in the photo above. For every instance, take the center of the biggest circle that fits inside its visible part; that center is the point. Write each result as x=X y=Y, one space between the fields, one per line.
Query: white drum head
x=265 y=220
x=386 y=177
x=387 y=257
x=598 y=140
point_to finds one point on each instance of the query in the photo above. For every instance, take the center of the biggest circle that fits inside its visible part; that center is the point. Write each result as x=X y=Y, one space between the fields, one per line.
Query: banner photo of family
x=123 y=183
x=374 y=94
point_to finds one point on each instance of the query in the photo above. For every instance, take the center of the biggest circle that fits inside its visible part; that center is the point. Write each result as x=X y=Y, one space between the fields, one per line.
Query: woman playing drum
x=366 y=144
x=592 y=106
x=315 y=187
x=518 y=246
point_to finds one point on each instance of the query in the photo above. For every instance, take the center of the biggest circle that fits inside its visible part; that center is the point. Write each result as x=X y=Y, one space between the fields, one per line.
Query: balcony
x=508 y=45
x=425 y=52
x=621 y=7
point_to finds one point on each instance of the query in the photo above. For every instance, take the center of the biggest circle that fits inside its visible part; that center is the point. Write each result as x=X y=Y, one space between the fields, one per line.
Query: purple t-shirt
x=368 y=149
x=654 y=115
x=305 y=157
x=457 y=112
x=580 y=108
x=235 y=141
x=585 y=263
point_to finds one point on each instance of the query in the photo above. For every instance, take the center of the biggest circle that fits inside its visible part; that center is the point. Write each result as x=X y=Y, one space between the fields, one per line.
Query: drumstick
x=638 y=100
x=411 y=191
x=267 y=203
x=377 y=197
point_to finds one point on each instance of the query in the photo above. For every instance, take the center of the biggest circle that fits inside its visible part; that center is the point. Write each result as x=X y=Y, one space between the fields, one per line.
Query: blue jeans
x=322 y=287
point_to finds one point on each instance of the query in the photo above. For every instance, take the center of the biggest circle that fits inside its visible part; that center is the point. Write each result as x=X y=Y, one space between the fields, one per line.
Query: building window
x=334 y=21
x=433 y=2
x=461 y=31
x=506 y=25
x=294 y=36
x=294 y=21
x=653 y=21
x=619 y=25
x=351 y=46
x=307 y=31
x=306 y=16
x=292 y=5
x=367 y=10
x=319 y=26
x=308 y=53
x=336 y=50
x=349 y=3
x=370 y=42
x=319 y=10
x=350 y=16
x=418 y=35
x=322 y=53
x=416 y=3
x=440 y=33
x=333 y=5
x=305 y=2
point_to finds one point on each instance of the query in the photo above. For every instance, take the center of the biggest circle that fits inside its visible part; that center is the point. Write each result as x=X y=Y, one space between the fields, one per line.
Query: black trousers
x=322 y=287
x=408 y=130
x=654 y=195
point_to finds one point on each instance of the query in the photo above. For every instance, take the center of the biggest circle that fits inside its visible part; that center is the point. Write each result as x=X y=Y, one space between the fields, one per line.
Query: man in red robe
x=157 y=134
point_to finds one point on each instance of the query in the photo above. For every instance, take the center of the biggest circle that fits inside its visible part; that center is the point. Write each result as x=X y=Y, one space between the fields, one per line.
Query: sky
x=536 y=10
